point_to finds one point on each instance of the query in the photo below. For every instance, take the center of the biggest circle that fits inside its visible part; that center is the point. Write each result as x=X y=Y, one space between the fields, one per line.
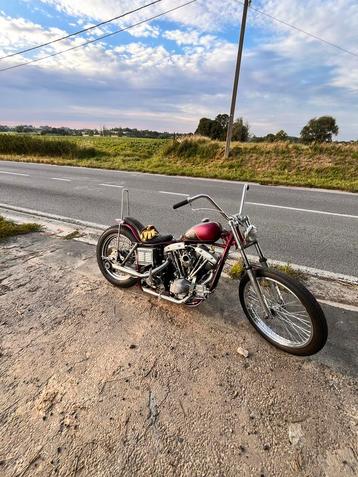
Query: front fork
x=249 y=270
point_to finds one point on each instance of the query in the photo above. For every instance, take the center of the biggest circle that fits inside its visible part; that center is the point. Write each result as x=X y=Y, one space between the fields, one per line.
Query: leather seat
x=139 y=227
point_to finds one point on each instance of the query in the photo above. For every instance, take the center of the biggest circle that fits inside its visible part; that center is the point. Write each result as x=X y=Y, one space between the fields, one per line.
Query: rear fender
x=132 y=230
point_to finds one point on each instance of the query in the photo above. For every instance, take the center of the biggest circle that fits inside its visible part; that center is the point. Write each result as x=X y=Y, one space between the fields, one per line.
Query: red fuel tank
x=205 y=232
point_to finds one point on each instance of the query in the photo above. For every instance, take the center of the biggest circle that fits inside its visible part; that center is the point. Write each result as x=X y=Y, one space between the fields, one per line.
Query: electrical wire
x=36 y=60
x=283 y=22
x=300 y=30
x=10 y=55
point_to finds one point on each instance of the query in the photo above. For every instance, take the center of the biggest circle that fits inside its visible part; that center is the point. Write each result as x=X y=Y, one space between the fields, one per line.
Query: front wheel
x=296 y=322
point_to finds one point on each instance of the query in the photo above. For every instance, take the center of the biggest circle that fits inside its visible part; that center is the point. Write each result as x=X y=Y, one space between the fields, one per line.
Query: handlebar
x=181 y=204
x=245 y=189
x=189 y=200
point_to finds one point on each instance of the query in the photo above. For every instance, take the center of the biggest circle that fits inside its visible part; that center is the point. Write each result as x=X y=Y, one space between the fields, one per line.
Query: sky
x=168 y=73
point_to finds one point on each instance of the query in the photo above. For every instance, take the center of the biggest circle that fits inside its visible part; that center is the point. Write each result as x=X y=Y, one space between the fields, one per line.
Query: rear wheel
x=107 y=255
x=296 y=322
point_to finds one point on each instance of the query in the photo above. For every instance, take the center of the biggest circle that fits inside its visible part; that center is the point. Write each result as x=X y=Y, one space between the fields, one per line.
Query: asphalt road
x=314 y=228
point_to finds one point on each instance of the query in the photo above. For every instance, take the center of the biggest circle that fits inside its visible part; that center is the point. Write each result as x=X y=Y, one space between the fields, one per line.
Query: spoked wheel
x=107 y=255
x=296 y=322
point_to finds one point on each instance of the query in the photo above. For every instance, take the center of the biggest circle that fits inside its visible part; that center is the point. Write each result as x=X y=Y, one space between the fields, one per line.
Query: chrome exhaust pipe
x=135 y=274
x=165 y=297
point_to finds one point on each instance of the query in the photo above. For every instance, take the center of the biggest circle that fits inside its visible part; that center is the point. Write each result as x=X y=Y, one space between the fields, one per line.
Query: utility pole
x=237 y=77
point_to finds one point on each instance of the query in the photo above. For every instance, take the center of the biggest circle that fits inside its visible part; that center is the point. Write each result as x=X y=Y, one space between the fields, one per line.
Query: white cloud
x=204 y=14
x=334 y=21
x=146 y=30
x=286 y=79
x=19 y=33
x=189 y=37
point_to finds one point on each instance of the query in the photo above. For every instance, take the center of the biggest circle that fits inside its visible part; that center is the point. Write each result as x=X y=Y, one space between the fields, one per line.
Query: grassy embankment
x=333 y=166
x=9 y=228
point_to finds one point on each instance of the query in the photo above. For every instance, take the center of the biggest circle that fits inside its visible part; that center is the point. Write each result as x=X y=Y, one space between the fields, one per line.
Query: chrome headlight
x=251 y=233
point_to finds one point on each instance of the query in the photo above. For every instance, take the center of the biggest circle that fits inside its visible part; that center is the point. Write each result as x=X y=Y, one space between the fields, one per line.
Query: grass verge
x=289 y=270
x=237 y=269
x=330 y=166
x=9 y=228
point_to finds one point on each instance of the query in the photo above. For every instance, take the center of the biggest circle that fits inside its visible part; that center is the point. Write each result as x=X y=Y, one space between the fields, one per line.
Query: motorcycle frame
x=234 y=238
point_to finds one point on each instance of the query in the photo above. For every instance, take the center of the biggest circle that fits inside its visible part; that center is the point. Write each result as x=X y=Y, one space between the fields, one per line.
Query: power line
x=148 y=20
x=36 y=60
x=300 y=30
x=81 y=31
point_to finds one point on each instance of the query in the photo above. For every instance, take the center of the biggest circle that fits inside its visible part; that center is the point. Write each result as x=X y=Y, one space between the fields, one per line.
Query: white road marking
x=70 y=220
x=209 y=179
x=173 y=193
x=14 y=173
x=344 y=306
x=111 y=185
x=59 y=218
x=303 y=210
x=60 y=179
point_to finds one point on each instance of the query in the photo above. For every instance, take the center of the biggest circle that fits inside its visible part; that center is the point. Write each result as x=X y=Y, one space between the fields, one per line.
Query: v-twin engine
x=193 y=267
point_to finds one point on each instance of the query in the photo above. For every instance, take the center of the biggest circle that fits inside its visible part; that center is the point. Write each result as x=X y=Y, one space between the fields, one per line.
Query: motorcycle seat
x=139 y=227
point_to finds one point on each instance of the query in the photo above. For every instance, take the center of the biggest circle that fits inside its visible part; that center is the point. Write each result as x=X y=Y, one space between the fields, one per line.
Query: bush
x=39 y=146
x=201 y=148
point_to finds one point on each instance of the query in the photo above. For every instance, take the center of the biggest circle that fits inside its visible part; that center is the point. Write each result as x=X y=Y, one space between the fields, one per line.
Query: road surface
x=314 y=228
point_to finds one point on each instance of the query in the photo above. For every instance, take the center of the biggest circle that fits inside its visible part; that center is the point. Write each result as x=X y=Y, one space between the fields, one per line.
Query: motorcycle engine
x=193 y=269
x=180 y=288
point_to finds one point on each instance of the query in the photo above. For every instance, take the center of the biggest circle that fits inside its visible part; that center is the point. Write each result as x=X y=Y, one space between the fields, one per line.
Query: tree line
x=320 y=129
x=66 y=131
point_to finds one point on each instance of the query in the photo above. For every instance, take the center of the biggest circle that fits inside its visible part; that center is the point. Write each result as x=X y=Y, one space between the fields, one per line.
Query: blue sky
x=167 y=74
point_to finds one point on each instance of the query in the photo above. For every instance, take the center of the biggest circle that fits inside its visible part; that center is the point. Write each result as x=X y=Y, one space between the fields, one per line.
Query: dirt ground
x=96 y=381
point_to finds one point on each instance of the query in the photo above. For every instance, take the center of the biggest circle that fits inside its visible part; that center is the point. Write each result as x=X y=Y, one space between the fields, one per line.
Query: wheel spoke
x=109 y=252
x=289 y=323
x=293 y=316
x=295 y=326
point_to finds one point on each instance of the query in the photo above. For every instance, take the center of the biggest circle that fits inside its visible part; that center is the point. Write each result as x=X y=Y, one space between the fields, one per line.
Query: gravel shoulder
x=96 y=381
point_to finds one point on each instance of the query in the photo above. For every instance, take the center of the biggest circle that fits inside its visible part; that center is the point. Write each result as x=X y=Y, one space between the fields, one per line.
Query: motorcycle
x=186 y=271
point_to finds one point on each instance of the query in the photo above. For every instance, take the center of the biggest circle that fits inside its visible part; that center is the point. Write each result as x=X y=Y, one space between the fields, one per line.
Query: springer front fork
x=249 y=270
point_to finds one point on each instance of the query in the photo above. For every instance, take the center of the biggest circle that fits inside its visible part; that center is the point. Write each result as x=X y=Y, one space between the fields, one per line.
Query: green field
x=332 y=166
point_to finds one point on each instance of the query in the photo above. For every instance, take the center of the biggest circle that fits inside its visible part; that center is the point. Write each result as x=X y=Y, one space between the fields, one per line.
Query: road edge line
x=58 y=218
x=232 y=257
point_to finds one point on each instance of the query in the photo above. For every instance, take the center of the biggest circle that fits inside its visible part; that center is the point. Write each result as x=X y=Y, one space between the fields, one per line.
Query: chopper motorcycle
x=186 y=271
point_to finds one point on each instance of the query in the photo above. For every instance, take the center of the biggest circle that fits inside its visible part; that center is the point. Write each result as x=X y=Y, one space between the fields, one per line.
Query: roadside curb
x=61 y=225
x=314 y=272
x=57 y=218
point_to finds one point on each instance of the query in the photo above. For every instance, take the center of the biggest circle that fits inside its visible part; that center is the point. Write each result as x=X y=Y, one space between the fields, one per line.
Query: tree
x=320 y=130
x=270 y=137
x=204 y=127
x=240 y=131
x=216 y=129
x=281 y=136
x=211 y=128
x=223 y=120
x=217 y=132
